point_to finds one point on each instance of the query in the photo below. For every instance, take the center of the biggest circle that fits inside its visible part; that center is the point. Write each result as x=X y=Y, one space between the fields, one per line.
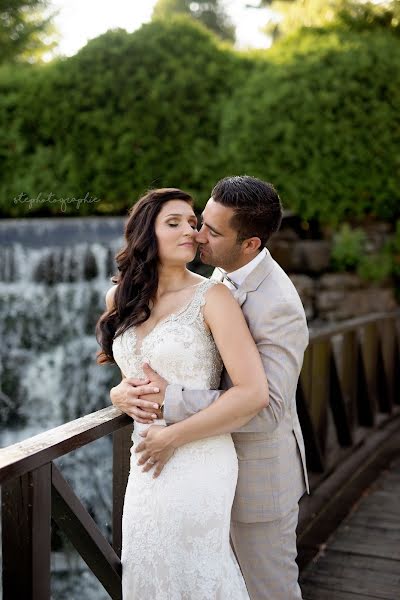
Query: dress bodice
x=180 y=347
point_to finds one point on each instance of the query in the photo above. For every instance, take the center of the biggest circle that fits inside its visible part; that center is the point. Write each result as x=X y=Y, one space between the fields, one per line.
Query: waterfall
x=54 y=274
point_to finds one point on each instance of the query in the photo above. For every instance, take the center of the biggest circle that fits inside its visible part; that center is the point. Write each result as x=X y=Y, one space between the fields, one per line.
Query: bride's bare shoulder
x=219 y=295
x=110 y=297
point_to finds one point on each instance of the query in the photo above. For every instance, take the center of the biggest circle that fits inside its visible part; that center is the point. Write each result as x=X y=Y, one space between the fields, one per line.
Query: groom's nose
x=200 y=236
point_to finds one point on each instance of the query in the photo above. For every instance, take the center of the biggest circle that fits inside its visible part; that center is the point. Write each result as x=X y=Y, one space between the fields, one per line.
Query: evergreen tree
x=26 y=30
x=209 y=12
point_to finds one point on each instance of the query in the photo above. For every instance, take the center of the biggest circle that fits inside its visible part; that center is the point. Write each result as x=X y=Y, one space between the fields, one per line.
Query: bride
x=175 y=527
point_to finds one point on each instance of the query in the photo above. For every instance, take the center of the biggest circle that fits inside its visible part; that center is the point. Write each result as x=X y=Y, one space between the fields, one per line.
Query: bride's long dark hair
x=137 y=276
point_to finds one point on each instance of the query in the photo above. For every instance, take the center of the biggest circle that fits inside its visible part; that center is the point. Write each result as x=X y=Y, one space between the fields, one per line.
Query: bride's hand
x=156 y=449
x=126 y=397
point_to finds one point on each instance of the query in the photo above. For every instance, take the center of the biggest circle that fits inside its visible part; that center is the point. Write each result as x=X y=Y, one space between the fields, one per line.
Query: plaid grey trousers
x=266 y=552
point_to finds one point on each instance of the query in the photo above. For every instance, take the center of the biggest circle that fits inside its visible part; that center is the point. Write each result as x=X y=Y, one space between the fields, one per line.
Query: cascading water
x=54 y=274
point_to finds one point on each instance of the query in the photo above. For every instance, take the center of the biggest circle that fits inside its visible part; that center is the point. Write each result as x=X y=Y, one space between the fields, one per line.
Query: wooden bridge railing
x=348 y=385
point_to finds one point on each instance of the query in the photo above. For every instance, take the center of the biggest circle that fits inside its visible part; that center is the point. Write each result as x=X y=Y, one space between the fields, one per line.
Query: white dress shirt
x=240 y=275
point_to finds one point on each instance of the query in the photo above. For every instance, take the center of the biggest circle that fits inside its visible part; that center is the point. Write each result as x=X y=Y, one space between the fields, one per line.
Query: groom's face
x=217 y=239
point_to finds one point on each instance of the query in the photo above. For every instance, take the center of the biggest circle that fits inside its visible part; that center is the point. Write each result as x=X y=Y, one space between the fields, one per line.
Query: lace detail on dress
x=180 y=347
x=175 y=528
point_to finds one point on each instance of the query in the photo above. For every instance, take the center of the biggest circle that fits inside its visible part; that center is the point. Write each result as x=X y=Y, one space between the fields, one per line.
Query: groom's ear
x=251 y=245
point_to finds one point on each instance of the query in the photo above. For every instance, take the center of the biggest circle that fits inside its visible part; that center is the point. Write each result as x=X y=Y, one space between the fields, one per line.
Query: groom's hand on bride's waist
x=141 y=399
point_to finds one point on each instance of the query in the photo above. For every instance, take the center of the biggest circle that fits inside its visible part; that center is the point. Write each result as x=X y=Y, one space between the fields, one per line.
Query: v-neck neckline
x=139 y=341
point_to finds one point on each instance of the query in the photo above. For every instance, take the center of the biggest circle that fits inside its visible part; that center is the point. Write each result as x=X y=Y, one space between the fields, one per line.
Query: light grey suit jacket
x=270 y=448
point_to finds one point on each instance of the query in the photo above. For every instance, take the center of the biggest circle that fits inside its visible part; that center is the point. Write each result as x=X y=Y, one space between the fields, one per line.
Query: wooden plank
x=388 y=346
x=396 y=361
x=122 y=444
x=364 y=519
x=357 y=562
x=367 y=542
x=369 y=344
x=72 y=518
x=383 y=387
x=30 y=454
x=26 y=535
x=319 y=398
x=347 y=369
x=323 y=510
x=365 y=582
x=365 y=401
x=338 y=406
x=325 y=333
x=362 y=558
x=317 y=592
x=313 y=452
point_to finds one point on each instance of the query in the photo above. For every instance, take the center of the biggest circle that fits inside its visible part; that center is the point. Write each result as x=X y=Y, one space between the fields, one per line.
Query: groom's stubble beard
x=226 y=259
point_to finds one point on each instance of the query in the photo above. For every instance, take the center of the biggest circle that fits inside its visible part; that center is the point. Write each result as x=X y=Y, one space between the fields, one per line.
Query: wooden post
x=26 y=525
x=348 y=376
x=121 y=464
x=319 y=398
x=74 y=520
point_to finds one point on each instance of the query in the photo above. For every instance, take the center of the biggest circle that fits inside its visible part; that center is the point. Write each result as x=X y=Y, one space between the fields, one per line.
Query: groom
x=270 y=448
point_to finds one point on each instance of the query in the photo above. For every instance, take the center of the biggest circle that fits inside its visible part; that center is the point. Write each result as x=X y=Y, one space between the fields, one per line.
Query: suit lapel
x=254 y=278
x=240 y=295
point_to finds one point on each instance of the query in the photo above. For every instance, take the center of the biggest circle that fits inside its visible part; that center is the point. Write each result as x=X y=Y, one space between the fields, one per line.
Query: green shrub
x=169 y=105
x=321 y=121
x=349 y=254
x=128 y=112
x=348 y=248
x=376 y=267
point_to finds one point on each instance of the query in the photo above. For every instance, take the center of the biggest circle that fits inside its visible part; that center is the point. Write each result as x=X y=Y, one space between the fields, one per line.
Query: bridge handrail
x=19 y=458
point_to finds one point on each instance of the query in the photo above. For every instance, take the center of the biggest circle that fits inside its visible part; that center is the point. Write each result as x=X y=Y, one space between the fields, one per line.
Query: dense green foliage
x=128 y=112
x=25 y=30
x=348 y=247
x=321 y=120
x=356 y=15
x=210 y=13
x=318 y=115
x=350 y=253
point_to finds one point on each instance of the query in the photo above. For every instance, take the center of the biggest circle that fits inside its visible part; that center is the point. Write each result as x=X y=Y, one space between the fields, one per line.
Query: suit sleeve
x=179 y=404
x=281 y=335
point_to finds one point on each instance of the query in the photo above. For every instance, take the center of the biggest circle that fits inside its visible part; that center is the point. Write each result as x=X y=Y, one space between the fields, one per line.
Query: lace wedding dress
x=175 y=528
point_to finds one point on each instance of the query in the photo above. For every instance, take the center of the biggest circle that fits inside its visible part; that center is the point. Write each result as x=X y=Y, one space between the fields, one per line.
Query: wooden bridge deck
x=361 y=559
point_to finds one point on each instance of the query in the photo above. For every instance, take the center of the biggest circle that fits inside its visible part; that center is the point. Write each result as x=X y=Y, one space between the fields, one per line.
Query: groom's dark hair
x=257 y=206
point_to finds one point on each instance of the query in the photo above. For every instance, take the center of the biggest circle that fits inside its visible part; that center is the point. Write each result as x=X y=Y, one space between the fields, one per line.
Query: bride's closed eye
x=194 y=227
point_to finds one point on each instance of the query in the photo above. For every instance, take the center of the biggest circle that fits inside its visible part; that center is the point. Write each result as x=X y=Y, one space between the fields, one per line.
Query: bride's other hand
x=156 y=449
x=126 y=397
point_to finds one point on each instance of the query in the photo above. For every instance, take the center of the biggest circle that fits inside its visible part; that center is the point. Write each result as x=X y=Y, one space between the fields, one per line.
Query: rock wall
x=326 y=295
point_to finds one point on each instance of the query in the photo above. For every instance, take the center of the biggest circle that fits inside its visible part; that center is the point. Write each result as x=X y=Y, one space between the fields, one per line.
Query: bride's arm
x=249 y=392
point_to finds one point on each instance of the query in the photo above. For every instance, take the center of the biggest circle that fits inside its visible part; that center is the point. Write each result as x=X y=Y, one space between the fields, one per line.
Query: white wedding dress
x=175 y=528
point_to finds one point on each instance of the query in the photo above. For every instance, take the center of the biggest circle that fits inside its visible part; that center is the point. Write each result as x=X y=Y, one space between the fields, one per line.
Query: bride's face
x=175 y=228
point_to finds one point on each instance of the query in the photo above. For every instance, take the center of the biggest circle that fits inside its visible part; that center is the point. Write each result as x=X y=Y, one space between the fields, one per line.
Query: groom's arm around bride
x=270 y=447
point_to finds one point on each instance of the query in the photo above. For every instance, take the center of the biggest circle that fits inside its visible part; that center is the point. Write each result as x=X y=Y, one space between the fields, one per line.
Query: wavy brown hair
x=137 y=276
